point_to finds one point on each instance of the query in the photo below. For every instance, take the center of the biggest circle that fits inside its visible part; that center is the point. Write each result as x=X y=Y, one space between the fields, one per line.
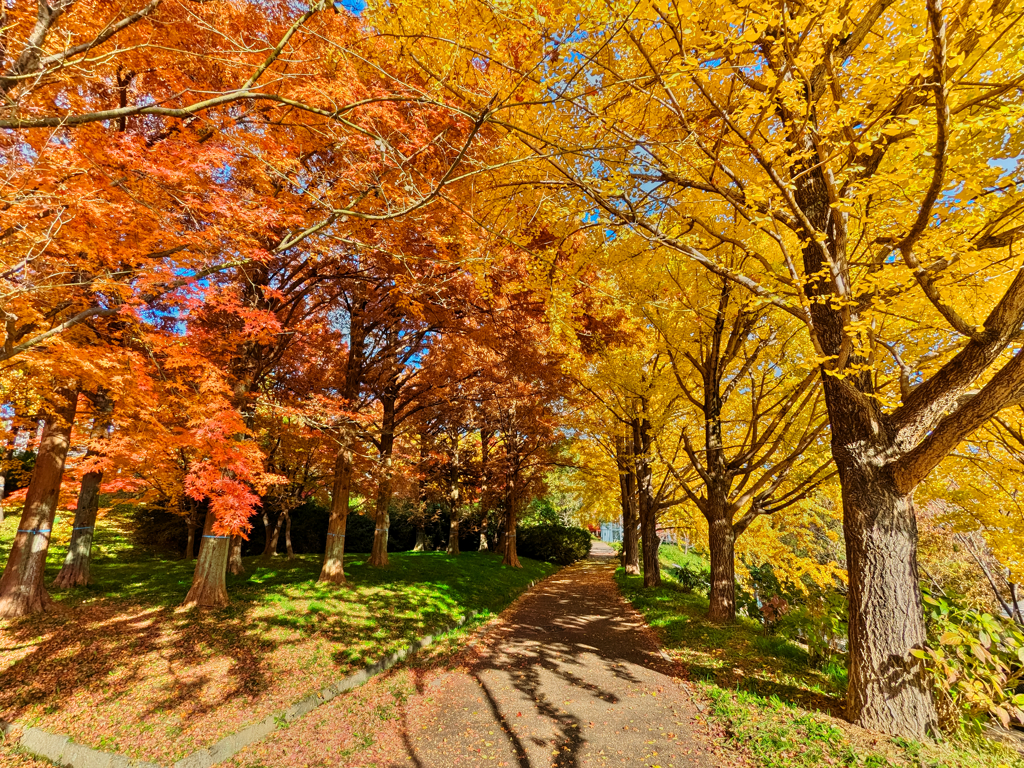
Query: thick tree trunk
x=889 y=689
x=722 y=545
x=22 y=590
x=235 y=567
x=511 y=557
x=77 y=562
x=289 y=552
x=628 y=501
x=209 y=581
x=21 y=587
x=333 y=569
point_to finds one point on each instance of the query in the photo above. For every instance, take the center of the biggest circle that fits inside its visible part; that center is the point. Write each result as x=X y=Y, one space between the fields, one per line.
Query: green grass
x=160 y=682
x=772 y=704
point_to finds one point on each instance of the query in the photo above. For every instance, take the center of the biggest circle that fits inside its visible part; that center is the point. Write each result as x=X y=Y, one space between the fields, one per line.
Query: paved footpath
x=570 y=677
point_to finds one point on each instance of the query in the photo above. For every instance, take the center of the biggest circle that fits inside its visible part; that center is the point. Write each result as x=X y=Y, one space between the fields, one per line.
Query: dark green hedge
x=553 y=543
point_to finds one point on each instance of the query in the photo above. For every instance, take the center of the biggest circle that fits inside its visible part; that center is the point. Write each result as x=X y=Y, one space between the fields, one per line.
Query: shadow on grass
x=123 y=644
x=736 y=656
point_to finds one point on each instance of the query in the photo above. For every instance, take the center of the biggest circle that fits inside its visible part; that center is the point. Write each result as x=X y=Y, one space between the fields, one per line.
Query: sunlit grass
x=771 y=702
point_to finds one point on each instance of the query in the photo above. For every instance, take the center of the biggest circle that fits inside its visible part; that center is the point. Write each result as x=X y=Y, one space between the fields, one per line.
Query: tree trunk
x=190 y=547
x=421 y=538
x=511 y=558
x=235 y=567
x=722 y=545
x=77 y=562
x=21 y=587
x=270 y=548
x=209 y=582
x=453 y=534
x=290 y=553
x=333 y=569
x=889 y=689
x=645 y=495
x=382 y=517
x=628 y=500
x=453 y=499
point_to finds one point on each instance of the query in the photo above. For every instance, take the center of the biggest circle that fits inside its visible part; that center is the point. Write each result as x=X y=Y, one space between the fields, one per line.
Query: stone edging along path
x=62 y=751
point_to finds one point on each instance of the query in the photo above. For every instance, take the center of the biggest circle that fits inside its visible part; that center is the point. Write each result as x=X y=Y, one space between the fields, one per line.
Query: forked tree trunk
x=722 y=546
x=290 y=553
x=270 y=548
x=21 y=587
x=511 y=558
x=76 y=569
x=333 y=569
x=235 y=567
x=209 y=581
x=889 y=689
x=628 y=501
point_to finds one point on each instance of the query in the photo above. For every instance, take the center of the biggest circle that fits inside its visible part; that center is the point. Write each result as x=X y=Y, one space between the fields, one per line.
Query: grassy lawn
x=119 y=666
x=774 y=706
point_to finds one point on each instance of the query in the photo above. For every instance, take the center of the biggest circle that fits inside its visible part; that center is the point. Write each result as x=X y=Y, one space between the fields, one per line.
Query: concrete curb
x=62 y=751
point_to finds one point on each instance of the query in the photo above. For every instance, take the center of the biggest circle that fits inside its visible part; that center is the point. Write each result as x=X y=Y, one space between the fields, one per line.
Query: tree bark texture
x=628 y=501
x=289 y=552
x=645 y=493
x=273 y=536
x=333 y=569
x=21 y=588
x=209 y=581
x=889 y=689
x=722 y=546
x=382 y=516
x=235 y=567
x=421 y=538
x=77 y=563
x=453 y=500
x=511 y=557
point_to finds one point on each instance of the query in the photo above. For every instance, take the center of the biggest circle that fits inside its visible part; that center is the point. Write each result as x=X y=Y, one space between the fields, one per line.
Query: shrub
x=820 y=625
x=976 y=662
x=693 y=575
x=553 y=543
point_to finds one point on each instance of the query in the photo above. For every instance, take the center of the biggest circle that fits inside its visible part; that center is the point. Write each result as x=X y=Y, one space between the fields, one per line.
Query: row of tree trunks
x=21 y=588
